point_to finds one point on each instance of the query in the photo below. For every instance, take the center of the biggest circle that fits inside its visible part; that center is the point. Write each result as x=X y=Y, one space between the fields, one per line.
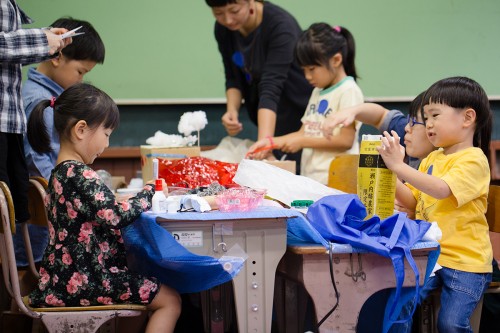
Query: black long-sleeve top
x=261 y=65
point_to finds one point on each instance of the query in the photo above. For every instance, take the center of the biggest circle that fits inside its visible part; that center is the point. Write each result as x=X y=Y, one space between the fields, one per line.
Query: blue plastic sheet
x=341 y=219
x=154 y=252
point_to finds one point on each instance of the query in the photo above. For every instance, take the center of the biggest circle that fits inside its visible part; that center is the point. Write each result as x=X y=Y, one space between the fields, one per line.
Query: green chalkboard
x=158 y=50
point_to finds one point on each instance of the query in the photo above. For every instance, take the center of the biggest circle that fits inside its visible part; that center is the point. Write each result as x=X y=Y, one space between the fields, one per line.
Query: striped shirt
x=17 y=47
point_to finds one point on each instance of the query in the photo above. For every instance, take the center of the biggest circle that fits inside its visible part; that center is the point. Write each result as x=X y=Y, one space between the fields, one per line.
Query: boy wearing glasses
x=410 y=127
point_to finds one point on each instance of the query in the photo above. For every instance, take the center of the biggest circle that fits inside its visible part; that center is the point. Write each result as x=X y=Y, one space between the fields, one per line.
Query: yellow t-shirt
x=465 y=244
x=315 y=162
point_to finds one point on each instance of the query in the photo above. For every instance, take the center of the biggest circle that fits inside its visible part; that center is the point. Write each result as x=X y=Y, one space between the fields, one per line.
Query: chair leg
x=15 y=322
x=475 y=319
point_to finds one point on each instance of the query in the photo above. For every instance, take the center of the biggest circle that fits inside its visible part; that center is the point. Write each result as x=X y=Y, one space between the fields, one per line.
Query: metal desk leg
x=254 y=285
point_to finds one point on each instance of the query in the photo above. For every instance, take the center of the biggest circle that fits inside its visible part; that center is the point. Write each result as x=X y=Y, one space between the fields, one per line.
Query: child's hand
x=262 y=149
x=164 y=185
x=333 y=123
x=400 y=208
x=391 y=151
x=293 y=143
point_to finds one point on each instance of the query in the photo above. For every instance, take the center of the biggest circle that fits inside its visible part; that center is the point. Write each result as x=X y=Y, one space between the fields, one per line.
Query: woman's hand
x=56 y=43
x=231 y=123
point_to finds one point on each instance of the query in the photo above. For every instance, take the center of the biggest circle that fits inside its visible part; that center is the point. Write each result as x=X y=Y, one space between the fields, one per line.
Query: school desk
x=260 y=233
x=357 y=275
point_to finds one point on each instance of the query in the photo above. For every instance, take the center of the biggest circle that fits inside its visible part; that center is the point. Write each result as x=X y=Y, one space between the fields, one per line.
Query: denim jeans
x=460 y=294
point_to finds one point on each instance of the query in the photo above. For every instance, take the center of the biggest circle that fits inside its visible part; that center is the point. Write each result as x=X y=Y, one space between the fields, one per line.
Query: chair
x=55 y=319
x=38 y=215
x=343 y=173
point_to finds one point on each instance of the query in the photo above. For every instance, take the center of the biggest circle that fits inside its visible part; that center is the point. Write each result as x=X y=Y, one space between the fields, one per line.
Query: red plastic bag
x=196 y=172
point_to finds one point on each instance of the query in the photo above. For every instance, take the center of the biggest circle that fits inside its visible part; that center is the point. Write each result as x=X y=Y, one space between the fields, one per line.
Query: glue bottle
x=159 y=201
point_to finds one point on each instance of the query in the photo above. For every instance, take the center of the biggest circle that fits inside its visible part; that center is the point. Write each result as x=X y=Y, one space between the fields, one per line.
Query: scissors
x=72 y=33
x=258 y=150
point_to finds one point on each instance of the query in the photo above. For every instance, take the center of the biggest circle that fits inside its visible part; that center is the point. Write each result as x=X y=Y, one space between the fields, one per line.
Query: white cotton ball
x=192 y=122
x=190 y=140
x=166 y=140
x=199 y=120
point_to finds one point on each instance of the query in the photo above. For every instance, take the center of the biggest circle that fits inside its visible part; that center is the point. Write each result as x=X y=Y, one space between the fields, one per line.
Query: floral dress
x=85 y=261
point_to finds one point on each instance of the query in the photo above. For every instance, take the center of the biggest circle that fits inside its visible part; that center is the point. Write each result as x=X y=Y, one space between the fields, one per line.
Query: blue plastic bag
x=340 y=219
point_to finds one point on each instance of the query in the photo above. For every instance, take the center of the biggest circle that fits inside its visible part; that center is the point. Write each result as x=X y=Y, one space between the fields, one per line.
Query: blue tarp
x=153 y=251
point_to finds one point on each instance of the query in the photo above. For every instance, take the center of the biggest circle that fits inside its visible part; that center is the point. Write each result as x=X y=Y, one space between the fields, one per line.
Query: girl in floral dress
x=85 y=261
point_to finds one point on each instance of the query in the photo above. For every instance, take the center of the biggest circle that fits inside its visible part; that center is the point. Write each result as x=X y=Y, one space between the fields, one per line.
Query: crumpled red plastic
x=194 y=172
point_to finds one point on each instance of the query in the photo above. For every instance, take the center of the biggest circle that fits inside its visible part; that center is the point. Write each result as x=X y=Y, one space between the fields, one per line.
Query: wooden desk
x=495 y=159
x=309 y=266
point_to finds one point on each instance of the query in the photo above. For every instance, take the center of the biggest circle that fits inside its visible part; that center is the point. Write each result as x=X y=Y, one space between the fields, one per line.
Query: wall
x=160 y=50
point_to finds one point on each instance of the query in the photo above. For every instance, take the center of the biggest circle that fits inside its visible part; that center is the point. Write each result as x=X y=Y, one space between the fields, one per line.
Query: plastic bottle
x=159 y=202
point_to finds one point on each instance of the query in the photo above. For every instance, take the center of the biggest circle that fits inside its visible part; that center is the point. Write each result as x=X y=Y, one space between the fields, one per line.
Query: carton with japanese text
x=376 y=183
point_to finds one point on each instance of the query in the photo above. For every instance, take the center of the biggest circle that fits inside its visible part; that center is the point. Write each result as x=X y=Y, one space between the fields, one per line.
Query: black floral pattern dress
x=85 y=261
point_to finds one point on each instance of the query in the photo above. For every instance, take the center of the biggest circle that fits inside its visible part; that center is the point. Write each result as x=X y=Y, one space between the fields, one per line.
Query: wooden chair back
x=493 y=211
x=343 y=173
x=55 y=319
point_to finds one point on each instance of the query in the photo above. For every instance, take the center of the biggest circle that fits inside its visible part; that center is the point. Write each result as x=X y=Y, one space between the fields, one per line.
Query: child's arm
x=101 y=202
x=367 y=113
x=405 y=197
x=393 y=153
x=341 y=142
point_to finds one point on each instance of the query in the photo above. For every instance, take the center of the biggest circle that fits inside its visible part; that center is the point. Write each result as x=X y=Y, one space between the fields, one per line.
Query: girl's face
x=96 y=141
x=444 y=125
x=233 y=15
x=320 y=76
x=416 y=141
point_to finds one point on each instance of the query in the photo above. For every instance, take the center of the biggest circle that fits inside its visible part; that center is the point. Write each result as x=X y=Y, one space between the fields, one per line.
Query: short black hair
x=85 y=47
x=220 y=3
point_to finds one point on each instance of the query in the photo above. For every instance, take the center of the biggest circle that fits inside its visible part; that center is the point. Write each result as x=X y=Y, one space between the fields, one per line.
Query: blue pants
x=460 y=294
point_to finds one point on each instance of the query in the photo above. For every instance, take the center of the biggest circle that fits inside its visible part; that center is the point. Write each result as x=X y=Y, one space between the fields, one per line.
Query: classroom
x=274 y=268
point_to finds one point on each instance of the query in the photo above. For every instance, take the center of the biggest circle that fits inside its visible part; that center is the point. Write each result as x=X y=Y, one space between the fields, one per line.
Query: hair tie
x=337 y=28
x=52 y=101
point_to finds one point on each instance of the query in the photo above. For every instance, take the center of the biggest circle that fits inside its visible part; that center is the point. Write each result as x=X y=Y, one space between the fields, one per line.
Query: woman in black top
x=256 y=40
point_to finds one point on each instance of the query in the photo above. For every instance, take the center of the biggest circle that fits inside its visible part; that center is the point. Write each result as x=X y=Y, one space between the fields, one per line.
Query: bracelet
x=270 y=138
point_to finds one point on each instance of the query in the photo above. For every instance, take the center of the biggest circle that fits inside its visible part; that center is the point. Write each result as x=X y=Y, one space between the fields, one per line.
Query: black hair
x=321 y=41
x=81 y=101
x=85 y=47
x=416 y=105
x=222 y=3
x=461 y=93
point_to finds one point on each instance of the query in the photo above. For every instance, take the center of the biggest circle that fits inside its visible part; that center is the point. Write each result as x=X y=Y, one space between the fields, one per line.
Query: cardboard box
x=118 y=182
x=148 y=153
x=286 y=165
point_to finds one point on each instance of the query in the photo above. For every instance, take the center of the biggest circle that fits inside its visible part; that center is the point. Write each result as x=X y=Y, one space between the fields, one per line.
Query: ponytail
x=349 y=54
x=321 y=41
x=38 y=136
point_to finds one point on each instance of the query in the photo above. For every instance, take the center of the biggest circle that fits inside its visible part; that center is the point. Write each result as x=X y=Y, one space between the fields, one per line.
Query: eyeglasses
x=412 y=121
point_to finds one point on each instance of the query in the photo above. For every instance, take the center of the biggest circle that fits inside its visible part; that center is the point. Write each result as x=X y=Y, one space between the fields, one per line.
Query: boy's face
x=416 y=141
x=67 y=72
